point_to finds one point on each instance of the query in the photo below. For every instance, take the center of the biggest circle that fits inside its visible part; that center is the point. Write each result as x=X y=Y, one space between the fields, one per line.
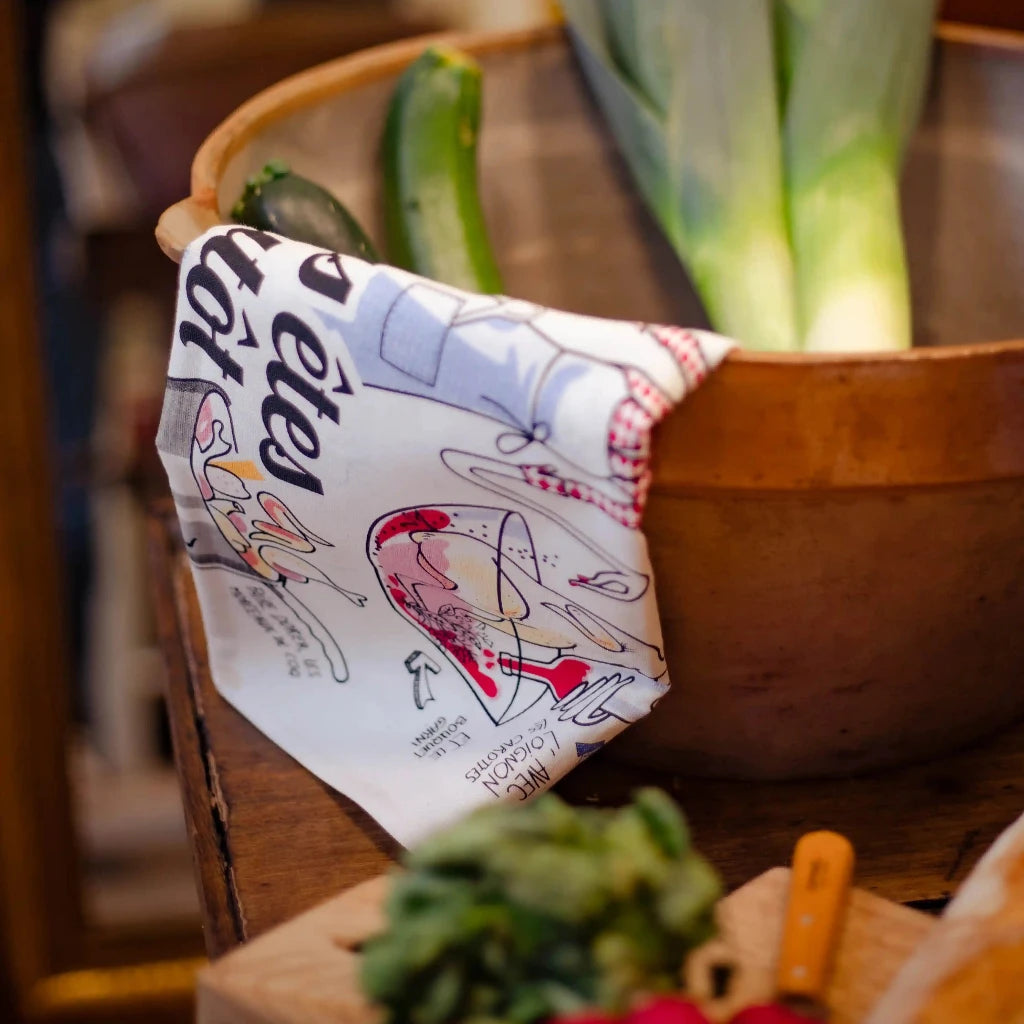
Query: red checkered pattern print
x=685 y=348
x=647 y=395
x=629 y=435
x=630 y=429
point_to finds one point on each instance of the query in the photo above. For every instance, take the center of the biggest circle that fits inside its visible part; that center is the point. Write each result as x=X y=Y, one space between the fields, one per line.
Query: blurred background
x=104 y=103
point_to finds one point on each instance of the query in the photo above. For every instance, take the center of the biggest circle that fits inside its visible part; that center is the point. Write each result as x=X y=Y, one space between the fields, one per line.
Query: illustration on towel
x=471 y=578
x=244 y=528
x=513 y=361
x=579 y=433
x=441 y=492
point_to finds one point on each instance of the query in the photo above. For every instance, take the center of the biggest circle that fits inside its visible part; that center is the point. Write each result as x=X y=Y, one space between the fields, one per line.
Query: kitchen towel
x=413 y=517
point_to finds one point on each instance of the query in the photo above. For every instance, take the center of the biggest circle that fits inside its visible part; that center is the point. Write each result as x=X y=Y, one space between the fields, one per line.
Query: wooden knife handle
x=819 y=889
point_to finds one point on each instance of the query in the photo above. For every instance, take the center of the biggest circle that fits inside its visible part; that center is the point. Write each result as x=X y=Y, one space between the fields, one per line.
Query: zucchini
x=435 y=225
x=278 y=200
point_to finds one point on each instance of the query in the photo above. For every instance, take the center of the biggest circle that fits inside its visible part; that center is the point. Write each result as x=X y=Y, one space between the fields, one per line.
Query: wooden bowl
x=838 y=540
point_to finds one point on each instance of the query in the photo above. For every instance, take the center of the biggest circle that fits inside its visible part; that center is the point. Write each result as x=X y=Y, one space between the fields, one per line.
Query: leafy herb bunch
x=521 y=914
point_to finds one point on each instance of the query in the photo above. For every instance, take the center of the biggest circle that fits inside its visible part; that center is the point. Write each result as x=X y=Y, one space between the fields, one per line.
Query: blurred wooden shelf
x=270 y=840
x=1004 y=14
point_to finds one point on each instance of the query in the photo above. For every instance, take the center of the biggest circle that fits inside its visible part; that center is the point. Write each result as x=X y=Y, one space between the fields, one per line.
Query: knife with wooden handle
x=819 y=891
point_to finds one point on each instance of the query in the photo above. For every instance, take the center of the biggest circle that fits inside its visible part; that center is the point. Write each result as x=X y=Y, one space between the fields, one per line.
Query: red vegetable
x=668 y=1010
x=771 y=1014
x=586 y=1017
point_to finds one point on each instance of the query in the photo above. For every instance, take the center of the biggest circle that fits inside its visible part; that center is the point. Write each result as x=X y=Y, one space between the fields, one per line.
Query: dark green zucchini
x=287 y=204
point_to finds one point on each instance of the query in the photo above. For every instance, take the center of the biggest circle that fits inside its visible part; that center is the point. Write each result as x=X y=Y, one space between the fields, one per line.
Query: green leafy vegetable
x=520 y=914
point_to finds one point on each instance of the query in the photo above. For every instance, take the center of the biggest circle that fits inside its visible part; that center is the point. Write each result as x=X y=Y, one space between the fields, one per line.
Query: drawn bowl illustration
x=838 y=541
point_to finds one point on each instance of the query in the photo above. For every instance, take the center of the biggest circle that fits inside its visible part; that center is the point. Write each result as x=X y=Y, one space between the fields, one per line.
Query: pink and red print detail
x=470 y=579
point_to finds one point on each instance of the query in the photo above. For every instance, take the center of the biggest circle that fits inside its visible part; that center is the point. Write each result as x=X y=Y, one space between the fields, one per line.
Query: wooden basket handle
x=182 y=223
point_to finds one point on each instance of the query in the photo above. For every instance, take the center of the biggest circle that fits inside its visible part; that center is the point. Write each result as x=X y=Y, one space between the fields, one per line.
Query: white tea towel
x=413 y=516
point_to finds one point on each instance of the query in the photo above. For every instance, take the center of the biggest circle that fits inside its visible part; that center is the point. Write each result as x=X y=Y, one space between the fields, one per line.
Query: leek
x=766 y=136
x=688 y=90
x=639 y=39
x=854 y=73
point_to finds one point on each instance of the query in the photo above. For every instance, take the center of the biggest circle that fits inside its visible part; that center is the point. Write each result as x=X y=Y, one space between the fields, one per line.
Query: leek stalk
x=767 y=137
x=856 y=76
x=688 y=90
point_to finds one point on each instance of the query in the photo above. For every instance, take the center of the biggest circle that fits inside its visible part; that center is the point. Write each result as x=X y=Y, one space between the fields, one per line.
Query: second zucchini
x=435 y=223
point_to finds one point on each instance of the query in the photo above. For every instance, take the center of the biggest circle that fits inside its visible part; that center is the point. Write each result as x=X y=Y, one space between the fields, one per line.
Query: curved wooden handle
x=819 y=889
x=182 y=223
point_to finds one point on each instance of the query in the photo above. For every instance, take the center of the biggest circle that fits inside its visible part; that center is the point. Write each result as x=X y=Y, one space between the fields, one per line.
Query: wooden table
x=270 y=840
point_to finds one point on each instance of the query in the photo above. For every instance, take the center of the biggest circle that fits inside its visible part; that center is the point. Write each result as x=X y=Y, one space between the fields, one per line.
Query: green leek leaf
x=689 y=92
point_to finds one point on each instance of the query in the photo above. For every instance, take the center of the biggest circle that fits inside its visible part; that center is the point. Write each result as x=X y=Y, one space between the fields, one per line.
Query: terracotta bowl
x=838 y=541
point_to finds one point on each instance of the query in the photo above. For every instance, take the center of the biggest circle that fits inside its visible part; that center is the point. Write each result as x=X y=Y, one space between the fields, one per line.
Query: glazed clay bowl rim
x=766 y=421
